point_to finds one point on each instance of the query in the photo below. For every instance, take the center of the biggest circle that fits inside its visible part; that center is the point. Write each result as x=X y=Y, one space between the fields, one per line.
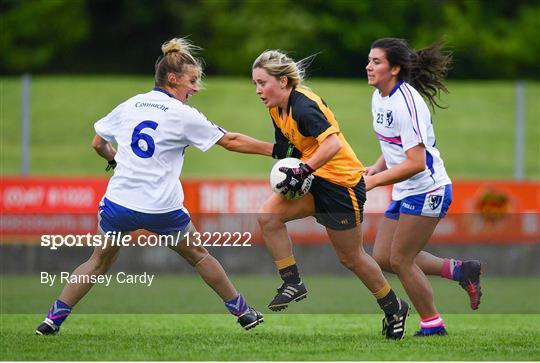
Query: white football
x=277 y=177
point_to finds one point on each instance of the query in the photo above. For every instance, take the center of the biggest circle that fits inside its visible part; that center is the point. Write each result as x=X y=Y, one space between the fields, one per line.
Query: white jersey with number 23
x=401 y=121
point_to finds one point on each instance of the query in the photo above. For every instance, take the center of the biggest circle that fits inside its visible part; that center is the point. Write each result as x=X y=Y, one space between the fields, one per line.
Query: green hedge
x=490 y=39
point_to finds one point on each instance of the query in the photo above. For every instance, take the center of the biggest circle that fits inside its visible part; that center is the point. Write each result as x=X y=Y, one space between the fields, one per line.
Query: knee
x=194 y=254
x=383 y=261
x=398 y=262
x=268 y=220
x=352 y=261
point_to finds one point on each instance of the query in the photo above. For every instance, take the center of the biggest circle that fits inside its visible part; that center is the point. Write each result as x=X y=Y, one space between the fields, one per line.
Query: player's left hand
x=371 y=170
x=282 y=150
x=294 y=178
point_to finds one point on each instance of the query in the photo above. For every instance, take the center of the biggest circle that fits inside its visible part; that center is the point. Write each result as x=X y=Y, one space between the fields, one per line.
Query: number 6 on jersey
x=138 y=135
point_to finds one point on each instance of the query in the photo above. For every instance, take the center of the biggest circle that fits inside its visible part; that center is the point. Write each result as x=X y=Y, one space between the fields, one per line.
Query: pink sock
x=433 y=322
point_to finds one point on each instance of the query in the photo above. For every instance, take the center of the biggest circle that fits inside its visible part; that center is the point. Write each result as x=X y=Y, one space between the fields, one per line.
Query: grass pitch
x=314 y=337
x=179 y=318
x=187 y=294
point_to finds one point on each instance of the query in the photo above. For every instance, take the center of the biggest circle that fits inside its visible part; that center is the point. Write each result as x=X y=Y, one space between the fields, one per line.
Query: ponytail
x=425 y=69
x=429 y=70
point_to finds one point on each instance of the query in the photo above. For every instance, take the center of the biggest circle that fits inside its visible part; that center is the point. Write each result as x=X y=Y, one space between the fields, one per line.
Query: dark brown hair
x=425 y=69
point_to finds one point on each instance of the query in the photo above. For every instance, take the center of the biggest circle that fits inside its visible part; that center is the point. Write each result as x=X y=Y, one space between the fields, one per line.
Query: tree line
x=489 y=39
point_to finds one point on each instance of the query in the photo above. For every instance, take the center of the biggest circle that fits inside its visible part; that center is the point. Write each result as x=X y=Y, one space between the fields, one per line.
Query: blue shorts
x=113 y=217
x=431 y=204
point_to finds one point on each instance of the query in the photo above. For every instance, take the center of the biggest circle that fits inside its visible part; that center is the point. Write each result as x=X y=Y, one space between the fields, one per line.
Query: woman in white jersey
x=151 y=131
x=422 y=191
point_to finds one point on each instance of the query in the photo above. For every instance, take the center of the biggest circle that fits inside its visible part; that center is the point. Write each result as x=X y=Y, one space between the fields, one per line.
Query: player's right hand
x=111 y=164
x=294 y=179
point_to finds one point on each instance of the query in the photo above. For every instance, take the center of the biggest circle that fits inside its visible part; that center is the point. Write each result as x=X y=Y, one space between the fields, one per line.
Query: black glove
x=294 y=178
x=283 y=150
x=111 y=164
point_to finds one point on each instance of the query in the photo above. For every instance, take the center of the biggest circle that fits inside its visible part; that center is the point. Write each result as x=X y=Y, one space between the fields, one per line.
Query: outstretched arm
x=241 y=143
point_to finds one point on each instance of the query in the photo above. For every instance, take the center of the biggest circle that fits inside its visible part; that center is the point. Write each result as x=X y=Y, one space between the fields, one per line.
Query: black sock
x=389 y=304
x=290 y=274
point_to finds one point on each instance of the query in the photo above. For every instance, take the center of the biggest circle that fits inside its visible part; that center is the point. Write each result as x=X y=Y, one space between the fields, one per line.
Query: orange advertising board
x=481 y=211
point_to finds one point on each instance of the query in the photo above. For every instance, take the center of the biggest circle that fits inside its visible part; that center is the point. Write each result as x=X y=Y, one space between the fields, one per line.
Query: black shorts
x=336 y=206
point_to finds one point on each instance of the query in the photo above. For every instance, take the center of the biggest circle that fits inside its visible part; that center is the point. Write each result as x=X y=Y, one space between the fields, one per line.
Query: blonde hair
x=278 y=64
x=177 y=53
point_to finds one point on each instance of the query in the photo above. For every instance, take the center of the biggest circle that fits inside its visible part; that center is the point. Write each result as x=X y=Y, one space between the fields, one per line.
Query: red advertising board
x=482 y=211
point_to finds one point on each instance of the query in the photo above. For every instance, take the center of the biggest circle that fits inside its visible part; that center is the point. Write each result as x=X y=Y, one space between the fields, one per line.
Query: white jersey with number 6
x=401 y=121
x=152 y=131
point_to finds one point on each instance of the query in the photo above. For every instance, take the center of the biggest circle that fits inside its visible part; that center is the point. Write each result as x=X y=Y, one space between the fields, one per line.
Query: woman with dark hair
x=422 y=190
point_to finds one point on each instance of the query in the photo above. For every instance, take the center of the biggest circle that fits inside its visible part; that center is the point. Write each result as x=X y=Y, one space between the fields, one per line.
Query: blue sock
x=237 y=306
x=456 y=273
x=58 y=312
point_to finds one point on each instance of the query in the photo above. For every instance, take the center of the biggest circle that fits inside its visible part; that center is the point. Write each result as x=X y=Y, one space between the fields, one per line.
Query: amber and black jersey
x=309 y=121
